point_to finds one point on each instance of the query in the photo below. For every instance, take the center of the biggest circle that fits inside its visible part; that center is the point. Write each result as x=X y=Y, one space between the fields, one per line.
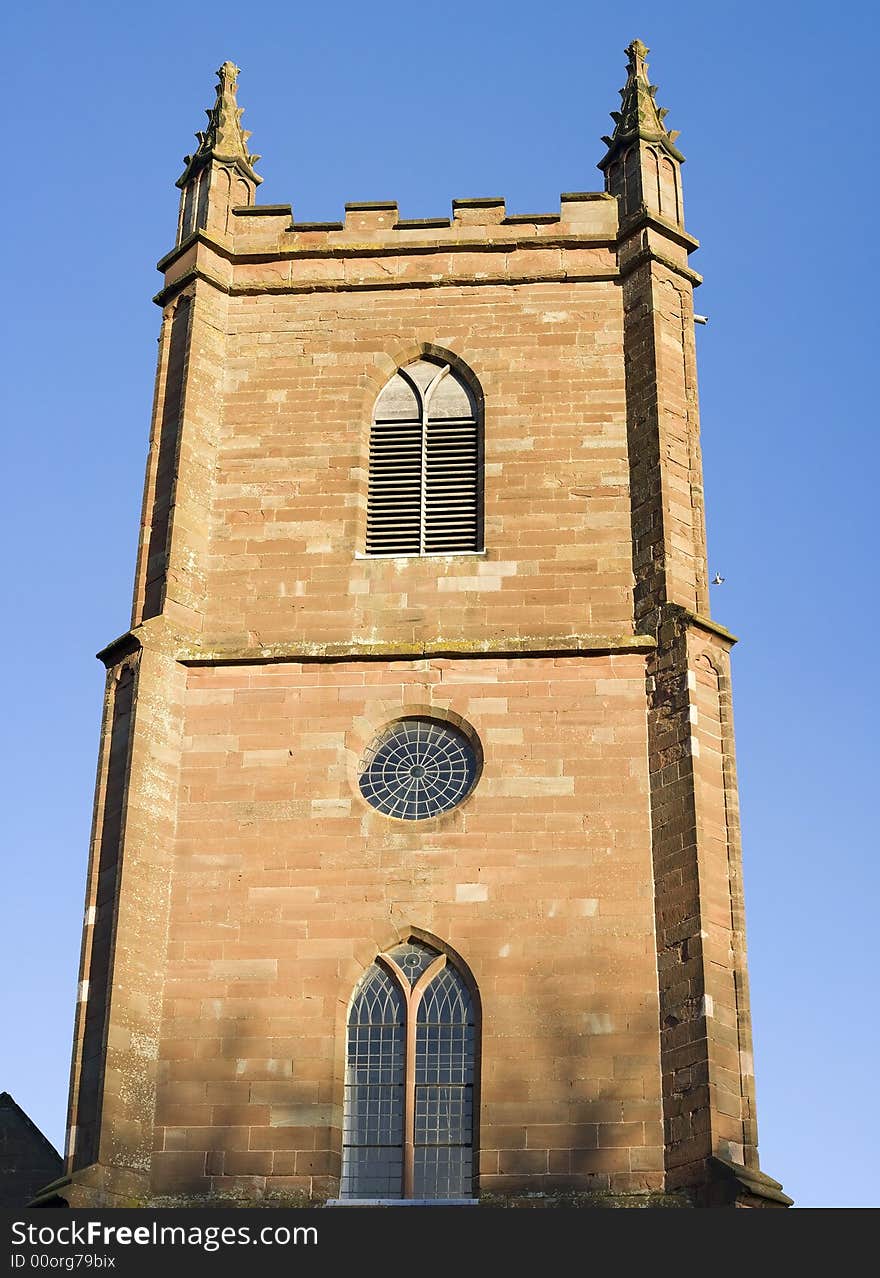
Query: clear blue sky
x=776 y=107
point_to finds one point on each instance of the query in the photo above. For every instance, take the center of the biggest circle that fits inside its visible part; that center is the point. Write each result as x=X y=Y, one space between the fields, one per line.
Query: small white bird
x=718 y=580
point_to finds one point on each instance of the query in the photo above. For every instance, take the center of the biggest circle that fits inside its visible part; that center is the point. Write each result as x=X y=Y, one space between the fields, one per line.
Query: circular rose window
x=418 y=768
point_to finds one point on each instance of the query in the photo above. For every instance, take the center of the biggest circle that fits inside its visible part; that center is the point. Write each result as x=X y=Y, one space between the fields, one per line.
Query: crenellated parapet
x=267 y=249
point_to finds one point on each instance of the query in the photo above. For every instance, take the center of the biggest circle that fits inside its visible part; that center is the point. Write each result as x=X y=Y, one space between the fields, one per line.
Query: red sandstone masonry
x=591 y=881
x=306 y=888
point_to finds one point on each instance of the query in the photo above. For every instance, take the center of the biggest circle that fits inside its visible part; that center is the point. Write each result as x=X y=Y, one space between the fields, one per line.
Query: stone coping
x=480 y=202
x=317 y=226
x=264 y=210
x=751 y=1182
x=371 y=206
x=675 y=612
x=417 y=223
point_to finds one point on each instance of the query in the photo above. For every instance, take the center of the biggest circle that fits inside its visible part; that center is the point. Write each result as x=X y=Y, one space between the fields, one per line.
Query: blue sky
x=775 y=103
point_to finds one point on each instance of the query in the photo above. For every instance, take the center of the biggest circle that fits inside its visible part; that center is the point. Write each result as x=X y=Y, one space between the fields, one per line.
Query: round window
x=418 y=768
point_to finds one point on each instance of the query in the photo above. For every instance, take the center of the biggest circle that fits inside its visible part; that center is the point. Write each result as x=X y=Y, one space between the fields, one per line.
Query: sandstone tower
x=416 y=868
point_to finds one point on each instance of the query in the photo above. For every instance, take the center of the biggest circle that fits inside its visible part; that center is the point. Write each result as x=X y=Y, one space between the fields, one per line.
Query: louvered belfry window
x=425 y=492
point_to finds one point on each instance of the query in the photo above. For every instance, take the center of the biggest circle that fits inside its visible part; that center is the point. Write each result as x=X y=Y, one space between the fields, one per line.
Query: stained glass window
x=418 y=768
x=408 y=1121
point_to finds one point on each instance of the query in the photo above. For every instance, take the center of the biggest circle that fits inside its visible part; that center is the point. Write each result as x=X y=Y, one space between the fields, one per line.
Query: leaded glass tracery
x=418 y=768
x=444 y=1084
x=408 y=1123
x=413 y=958
x=372 y=1129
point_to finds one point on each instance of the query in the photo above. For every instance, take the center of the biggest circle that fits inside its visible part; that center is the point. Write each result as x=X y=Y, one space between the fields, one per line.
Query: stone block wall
x=287 y=885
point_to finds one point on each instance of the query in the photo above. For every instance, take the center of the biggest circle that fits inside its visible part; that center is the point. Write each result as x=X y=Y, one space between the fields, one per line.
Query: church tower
x=416 y=870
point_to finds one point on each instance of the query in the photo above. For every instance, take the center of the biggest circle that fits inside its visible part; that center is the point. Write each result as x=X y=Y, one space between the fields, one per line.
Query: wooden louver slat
x=451 y=496
x=424 y=476
x=395 y=496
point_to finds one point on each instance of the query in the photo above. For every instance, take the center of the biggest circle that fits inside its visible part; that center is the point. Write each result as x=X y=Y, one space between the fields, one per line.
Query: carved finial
x=637 y=52
x=639 y=116
x=224 y=139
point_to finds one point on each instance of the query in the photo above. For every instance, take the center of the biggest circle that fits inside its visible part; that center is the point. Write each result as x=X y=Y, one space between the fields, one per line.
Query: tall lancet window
x=409 y=1080
x=425 y=487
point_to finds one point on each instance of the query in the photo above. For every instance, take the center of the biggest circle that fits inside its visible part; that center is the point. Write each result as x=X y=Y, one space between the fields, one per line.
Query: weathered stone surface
x=591 y=880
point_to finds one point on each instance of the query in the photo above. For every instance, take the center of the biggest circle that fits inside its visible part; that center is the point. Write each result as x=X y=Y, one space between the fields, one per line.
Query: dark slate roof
x=28 y=1161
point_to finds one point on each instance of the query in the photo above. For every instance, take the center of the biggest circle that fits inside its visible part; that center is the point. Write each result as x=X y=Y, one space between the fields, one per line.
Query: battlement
x=587 y=213
x=266 y=248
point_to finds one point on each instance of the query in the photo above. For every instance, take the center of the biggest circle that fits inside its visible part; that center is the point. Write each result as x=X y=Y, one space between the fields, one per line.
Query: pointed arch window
x=409 y=1080
x=426 y=469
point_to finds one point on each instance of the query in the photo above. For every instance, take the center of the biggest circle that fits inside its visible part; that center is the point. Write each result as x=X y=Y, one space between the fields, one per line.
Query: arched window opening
x=409 y=1080
x=670 y=205
x=425 y=482
x=631 y=183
